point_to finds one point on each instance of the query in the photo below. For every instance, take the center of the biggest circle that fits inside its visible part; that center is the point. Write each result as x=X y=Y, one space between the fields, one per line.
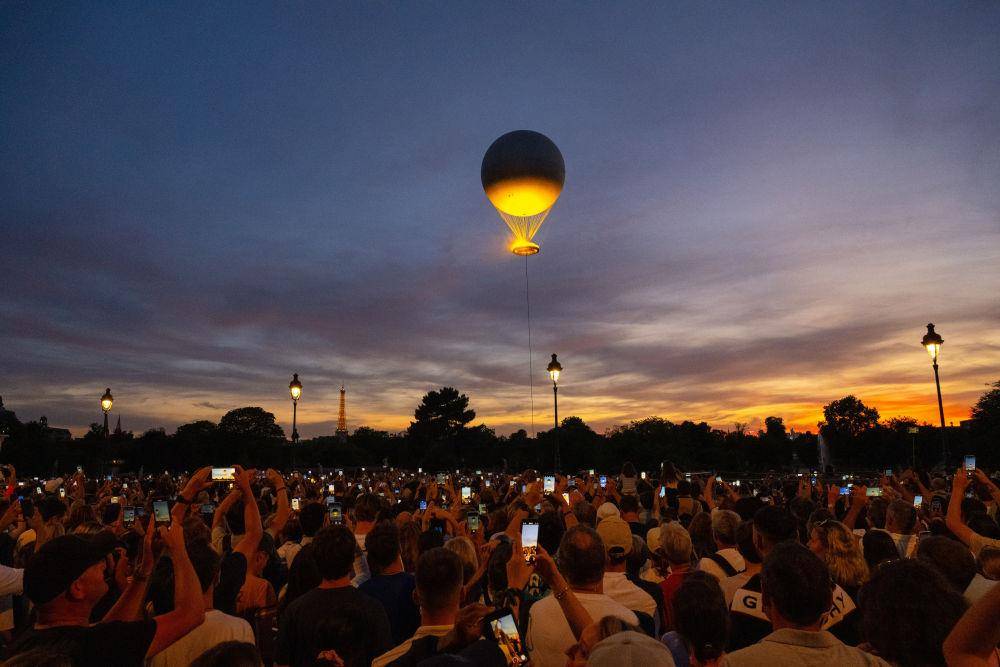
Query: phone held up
x=529 y=540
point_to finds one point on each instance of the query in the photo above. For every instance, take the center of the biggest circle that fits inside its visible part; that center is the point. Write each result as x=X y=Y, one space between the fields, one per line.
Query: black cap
x=61 y=561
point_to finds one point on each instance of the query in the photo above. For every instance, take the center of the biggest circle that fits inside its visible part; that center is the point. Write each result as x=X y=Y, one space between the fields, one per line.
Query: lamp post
x=932 y=342
x=106 y=402
x=295 y=389
x=555 y=368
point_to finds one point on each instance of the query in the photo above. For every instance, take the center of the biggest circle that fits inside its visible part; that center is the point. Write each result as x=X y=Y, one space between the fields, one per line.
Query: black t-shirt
x=395 y=592
x=749 y=623
x=105 y=644
x=344 y=619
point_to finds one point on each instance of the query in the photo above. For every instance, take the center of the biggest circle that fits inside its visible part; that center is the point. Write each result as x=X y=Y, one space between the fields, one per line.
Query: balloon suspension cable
x=531 y=373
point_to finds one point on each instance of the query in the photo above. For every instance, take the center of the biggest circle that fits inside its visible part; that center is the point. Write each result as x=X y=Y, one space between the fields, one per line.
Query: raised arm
x=284 y=511
x=129 y=605
x=189 y=607
x=251 y=516
x=225 y=506
x=954 y=517
x=973 y=640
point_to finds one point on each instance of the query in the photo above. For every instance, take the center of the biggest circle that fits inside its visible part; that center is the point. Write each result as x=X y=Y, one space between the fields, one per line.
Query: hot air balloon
x=523 y=174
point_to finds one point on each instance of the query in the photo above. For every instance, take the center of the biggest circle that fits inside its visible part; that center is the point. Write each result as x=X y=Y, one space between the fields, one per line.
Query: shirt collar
x=821 y=639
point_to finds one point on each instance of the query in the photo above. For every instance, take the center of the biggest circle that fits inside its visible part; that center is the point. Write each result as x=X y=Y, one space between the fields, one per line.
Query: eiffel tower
x=342 y=419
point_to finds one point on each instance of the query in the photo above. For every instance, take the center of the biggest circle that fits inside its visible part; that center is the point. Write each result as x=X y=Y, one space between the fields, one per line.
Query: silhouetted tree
x=442 y=414
x=848 y=417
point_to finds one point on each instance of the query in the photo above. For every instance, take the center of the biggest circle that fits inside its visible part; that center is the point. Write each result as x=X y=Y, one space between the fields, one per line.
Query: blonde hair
x=842 y=554
x=466 y=551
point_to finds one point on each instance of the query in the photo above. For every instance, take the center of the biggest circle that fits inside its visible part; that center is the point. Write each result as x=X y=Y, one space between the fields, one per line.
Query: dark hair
x=366 y=507
x=797 y=583
x=581 y=556
x=382 y=546
x=235 y=518
x=497 y=568
x=232 y=575
x=429 y=539
x=311 y=518
x=334 y=548
x=878 y=547
x=702 y=615
x=585 y=513
x=775 y=525
x=205 y=561
x=907 y=611
x=439 y=579
x=744 y=542
x=628 y=470
x=550 y=531
x=629 y=503
x=951 y=559
x=747 y=506
x=229 y=654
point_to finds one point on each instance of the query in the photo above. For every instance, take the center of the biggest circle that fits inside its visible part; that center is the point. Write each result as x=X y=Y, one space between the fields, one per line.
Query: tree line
x=441 y=436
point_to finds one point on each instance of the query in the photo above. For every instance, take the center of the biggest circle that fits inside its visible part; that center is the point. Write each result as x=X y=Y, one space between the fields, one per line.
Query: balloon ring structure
x=523 y=175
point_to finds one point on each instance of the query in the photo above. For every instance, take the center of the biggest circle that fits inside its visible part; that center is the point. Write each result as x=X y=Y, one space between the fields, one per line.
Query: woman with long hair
x=837 y=546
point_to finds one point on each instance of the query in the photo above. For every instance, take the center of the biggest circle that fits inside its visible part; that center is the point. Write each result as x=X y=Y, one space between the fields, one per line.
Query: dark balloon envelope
x=523 y=173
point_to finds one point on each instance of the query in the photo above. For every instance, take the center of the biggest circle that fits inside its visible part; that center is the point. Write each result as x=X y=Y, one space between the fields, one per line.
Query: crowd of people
x=232 y=566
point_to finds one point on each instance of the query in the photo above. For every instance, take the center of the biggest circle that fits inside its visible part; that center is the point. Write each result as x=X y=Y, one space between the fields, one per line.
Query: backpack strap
x=726 y=566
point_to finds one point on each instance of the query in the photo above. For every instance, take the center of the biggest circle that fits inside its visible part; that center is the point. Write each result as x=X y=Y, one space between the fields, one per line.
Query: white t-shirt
x=360 y=567
x=549 y=634
x=624 y=592
x=217 y=628
x=731 y=555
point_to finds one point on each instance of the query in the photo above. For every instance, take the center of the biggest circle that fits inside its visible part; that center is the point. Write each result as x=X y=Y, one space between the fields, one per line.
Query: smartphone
x=295 y=504
x=482 y=508
x=440 y=478
x=38 y=489
x=125 y=487
x=62 y=492
x=604 y=481
x=970 y=465
x=114 y=500
x=423 y=504
x=466 y=494
x=642 y=475
x=420 y=471
x=161 y=512
x=550 y=484
x=566 y=497
x=330 y=500
x=501 y=628
x=487 y=483
x=128 y=516
x=918 y=501
x=330 y=489
x=663 y=492
x=873 y=492
x=473 y=520
x=888 y=472
x=336 y=513
x=79 y=468
x=844 y=491
x=208 y=508
x=223 y=474
x=529 y=540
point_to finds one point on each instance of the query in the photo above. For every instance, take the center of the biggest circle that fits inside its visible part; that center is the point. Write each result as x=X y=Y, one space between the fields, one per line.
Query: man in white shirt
x=900 y=521
x=218 y=626
x=726 y=561
x=582 y=561
x=617 y=537
x=439 y=595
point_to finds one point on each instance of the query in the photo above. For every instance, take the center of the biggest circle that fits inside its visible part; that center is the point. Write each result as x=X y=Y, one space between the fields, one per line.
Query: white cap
x=630 y=649
x=607 y=510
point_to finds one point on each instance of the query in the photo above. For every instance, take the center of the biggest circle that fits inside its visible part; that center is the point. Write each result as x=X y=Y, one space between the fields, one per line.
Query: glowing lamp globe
x=107 y=400
x=523 y=175
x=295 y=387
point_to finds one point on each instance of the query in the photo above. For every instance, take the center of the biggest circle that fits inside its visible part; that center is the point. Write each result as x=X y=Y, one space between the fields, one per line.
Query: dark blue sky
x=764 y=204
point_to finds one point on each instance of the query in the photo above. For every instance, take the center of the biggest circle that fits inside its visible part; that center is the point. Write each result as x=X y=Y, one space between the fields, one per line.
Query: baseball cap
x=61 y=561
x=607 y=510
x=630 y=648
x=616 y=534
x=653 y=538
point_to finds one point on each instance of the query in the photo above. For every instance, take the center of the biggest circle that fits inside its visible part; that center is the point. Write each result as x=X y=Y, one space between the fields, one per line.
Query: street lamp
x=295 y=389
x=555 y=368
x=932 y=342
x=106 y=402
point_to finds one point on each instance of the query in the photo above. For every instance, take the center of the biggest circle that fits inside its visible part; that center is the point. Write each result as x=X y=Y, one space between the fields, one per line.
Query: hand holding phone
x=529 y=540
x=970 y=465
x=223 y=474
